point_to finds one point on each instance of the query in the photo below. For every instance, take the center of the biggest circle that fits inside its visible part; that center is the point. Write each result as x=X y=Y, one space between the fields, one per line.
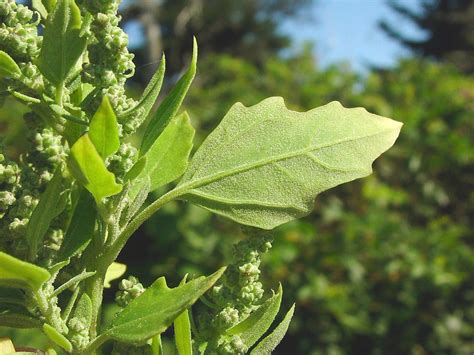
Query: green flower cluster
x=129 y=289
x=110 y=64
x=18 y=31
x=239 y=294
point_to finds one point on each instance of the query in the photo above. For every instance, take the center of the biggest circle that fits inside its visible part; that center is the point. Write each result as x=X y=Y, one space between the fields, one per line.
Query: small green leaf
x=104 y=130
x=255 y=325
x=83 y=310
x=44 y=213
x=114 y=271
x=8 y=67
x=271 y=341
x=182 y=331
x=81 y=227
x=57 y=337
x=141 y=111
x=63 y=44
x=18 y=273
x=39 y=5
x=90 y=170
x=167 y=158
x=264 y=165
x=170 y=105
x=153 y=311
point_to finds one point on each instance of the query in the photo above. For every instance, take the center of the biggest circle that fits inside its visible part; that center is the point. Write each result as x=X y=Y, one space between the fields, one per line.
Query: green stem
x=70 y=305
x=75 y=280
x=59 y=94
x=101 y=339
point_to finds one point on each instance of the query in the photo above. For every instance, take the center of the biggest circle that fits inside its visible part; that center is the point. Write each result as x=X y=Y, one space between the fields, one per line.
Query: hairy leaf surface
x=154 y=310
x=264 y=165
x=271 y=341
x=170 y=105
x=63 y=43
x=255 y=325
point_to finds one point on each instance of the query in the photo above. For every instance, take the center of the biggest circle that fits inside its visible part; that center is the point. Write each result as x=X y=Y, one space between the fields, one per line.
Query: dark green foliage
x=449 y=27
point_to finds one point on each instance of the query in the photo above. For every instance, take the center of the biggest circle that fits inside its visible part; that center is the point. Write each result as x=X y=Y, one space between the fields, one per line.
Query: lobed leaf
x=170 y=105
x=8 y=67
x=271 y=341
x=264 y=165
x=167 y=158
x=21 y=274
x=81 y=227
x=63 y=43
x=89 y=169
x=104 y=130
x=49 y=206
x=254 y=326
x=153 y=311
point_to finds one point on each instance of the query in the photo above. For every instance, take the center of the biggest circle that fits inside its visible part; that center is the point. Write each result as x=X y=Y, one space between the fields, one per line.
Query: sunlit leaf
x=114 y=271
x=18 y=273
x=63 y=44
x=264 y=165
x=103 y=129
x=57 y=337
x=89 y=169
x=8 y=67
x=170 y=105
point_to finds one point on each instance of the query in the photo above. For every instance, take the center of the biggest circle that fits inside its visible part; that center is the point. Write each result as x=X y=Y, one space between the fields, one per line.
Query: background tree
x=449 y=25
x=247 y=29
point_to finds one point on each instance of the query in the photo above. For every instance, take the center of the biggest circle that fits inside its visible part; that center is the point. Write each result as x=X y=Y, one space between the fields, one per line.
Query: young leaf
x=153 y=311
x=20 y=274
x=8 y=67
x=57 y=337
x=264 y=165
x=89 y=169
x=167 y=158
x=255 y=325
x=83 y=310
x=114 y=271
x=104 y=130
x=271 y=341
x=44 y=213
x=81 y=227
x=170 y=105
x=182 y=331
x=39 y=6
x=63 y=44
x=148 y=97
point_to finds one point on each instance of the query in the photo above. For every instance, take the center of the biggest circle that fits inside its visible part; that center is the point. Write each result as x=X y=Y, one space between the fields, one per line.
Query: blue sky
x=347 y=30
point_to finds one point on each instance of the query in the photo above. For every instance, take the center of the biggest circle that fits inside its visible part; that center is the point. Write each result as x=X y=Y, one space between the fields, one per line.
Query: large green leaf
x=63 y=44
x=271 y=341
x=153 y=311
x=167 y=158
x=89 y=169
x=81 y=227
x=8 y=67
x=148 y=98
x=104 y=130
x=254 y=326
x=264 y=165
x=170 y=105
x=44 y=213
x=14 y=316
x=20 y=274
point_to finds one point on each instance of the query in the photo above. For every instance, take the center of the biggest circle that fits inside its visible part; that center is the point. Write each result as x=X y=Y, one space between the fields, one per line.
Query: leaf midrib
x=187 y=186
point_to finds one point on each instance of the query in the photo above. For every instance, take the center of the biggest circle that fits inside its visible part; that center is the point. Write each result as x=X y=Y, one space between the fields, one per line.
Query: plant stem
x=76 y=279
x=101 y=339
